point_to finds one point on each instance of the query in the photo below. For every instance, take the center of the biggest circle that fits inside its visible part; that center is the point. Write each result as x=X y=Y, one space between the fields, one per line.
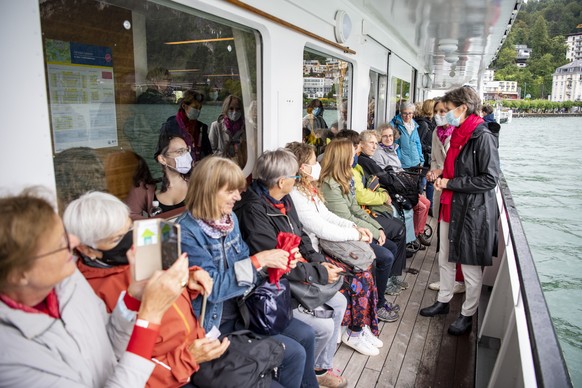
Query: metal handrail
x=549 y=363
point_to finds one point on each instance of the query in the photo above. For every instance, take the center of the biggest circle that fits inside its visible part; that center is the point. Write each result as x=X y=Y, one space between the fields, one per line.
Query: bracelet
x=147 y=324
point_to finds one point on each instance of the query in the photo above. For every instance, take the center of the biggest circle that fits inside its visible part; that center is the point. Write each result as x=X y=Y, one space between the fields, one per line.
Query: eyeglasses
x=296 y=177
x=387 y=136
x=406 y=113
x=179 y=151
x=67 y=247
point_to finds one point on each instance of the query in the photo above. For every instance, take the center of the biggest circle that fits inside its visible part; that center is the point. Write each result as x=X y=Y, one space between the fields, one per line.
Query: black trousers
x=395 y=231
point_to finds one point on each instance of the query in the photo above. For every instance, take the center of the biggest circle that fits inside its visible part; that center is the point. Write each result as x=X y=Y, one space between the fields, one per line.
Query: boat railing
x=517 y=341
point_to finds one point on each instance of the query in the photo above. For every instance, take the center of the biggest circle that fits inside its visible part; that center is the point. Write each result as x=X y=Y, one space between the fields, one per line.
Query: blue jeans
x=384 y=261
x=298 y=361
x=430 y=192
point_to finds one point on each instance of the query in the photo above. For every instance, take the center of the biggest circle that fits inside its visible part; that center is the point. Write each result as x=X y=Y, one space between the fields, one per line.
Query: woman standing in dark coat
x=468 y=205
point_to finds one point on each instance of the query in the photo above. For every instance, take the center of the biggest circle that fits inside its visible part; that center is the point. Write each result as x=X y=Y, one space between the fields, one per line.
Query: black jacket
x=260 y=223
x=395 y=183
x=474 y=212
x=425 y=128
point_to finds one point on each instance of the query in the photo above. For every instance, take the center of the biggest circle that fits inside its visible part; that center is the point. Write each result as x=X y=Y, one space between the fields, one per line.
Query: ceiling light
x=451 y=58
x=448 y=45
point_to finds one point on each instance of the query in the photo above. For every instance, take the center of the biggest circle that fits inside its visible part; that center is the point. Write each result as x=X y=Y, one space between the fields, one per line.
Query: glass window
x=326 y=97
x=122 y=72
x=399 y=92
x=376 y=99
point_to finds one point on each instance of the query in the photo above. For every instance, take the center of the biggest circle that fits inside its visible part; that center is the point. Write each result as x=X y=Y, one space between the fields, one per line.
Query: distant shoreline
x=521 y=114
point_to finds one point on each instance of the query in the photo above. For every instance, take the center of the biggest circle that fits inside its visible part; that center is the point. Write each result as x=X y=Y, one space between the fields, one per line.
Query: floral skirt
x=362 y=295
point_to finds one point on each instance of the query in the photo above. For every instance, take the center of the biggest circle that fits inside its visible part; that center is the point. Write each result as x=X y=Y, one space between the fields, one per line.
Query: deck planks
x=417 y=350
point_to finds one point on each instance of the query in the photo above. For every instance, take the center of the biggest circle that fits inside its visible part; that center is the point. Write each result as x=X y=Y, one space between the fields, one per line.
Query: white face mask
x=183 y=163
x=452 y=119
x=234 y=115
x=441 y=121
x=315 y=170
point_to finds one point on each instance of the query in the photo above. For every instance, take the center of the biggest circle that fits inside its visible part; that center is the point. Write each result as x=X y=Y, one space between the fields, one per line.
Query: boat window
x=399 y=92
x=376 y=99
x=326 y=97
x=121 y=72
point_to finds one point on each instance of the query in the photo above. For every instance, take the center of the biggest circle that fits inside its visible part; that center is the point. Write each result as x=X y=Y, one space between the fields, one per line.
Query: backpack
x=249 y=362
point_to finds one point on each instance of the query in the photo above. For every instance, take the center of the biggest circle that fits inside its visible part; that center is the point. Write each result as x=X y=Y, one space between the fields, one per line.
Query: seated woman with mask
x=173 y=154
x=54 y=330
x=105 y=231
x=266 y=210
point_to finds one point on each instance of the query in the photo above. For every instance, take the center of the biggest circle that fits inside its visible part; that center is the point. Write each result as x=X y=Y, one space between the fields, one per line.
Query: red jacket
x=179 y=327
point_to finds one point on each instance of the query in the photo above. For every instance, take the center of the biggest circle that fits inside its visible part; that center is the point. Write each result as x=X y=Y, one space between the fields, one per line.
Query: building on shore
x=567 y=82
x=574 y=42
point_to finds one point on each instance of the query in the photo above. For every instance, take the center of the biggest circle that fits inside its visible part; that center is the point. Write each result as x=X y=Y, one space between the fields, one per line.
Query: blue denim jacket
x=227 y=261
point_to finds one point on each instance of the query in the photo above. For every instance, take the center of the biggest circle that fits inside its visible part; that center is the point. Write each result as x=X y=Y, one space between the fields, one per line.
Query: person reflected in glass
x=186 y=124
x=468 y=215
x=227 y=134
x=159 y=90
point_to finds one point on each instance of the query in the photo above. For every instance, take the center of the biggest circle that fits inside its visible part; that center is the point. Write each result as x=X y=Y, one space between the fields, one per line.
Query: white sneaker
x=371 y=338
x=359 y=344
x=459 y=288
x=340 y=333
x=436 y=286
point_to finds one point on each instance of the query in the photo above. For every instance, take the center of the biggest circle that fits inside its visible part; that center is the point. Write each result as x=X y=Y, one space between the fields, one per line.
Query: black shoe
x=461 y=325
x=423 y=240
x=409 y=254
x=435 y=309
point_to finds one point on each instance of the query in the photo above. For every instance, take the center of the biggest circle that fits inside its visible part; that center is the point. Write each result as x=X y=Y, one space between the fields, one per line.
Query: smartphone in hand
x=157 y=246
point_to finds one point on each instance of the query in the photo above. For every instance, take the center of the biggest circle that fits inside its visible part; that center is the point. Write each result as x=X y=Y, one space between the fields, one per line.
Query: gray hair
x=272 y=165
x=368 y=134
x=407 y=105
x=95 y=216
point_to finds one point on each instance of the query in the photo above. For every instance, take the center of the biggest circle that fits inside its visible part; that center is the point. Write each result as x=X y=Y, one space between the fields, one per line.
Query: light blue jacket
x=227 y=261
x=410 y=147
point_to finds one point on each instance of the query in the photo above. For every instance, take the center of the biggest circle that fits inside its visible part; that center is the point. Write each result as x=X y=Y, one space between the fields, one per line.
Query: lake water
x=541 y=160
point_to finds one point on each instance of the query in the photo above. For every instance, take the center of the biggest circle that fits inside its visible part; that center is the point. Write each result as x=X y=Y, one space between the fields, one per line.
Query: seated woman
x=174 y=156
x=266 y=210
x=393 y=227
x=54 y=330
x=336 y=184
x=185 y=124
x=385 y=158
x=211 y=237
x=318 y=222
x=102 y=223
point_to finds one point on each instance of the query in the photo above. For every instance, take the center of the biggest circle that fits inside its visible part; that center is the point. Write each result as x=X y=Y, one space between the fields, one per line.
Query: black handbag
x=312 y=295
x=267 y=309
x=250 y=361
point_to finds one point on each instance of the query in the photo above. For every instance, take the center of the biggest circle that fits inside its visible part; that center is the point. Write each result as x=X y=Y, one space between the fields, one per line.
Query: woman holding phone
x=102 y=223
x=54 y=330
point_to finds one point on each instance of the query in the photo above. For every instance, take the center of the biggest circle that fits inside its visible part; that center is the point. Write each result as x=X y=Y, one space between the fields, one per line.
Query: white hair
x=95 y=216
x=407 y=105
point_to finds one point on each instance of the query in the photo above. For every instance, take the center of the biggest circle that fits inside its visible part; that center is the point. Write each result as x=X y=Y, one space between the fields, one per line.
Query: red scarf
x=459 y=138
x=49 y=306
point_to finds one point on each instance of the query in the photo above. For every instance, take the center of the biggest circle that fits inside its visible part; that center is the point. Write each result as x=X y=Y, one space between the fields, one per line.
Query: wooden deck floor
x=417 y=350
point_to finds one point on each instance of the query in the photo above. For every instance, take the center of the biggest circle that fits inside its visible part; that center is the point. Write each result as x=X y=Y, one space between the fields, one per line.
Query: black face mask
x=117 y=255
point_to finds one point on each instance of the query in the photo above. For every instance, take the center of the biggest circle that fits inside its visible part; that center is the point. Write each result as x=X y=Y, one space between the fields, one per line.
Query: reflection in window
x=123 y=73
x=400 y=92
x=376 y=99
x=326 y=97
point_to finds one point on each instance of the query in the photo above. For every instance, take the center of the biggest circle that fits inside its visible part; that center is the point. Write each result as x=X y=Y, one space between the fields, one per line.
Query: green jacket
x=365 y=196
x=345 y=206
